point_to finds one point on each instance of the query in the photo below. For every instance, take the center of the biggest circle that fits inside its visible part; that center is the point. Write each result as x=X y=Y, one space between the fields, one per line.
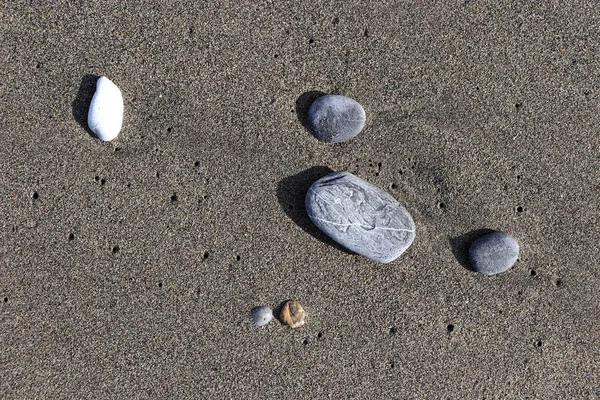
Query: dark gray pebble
x=493 y=253
x=335 y=118
x=360 y=216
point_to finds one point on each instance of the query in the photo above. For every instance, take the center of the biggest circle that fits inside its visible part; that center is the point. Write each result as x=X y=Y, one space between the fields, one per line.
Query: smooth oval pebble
x=360 y=216
x=292 y=314
x=105 y=116
x=493 y=253
x=334 y=118
x=261 y=315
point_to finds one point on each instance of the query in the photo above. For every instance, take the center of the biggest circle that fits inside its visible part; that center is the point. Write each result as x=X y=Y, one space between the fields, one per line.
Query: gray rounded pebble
x=493 y=253
x=261 y=315
x=334 y=118
x=360 y=216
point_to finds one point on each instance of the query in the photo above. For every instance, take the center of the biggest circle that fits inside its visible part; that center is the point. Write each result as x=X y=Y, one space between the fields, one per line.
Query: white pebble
x=105 y=116
x=262 y=315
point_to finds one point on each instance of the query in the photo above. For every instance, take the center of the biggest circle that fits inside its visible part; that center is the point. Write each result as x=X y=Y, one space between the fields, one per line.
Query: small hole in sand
x=116 y=249
x=174 y=198
x=539 y=343
x=305 y=341
x=71 y=237
x=311 y=41
x=102 y=181
x=320 y=335
x=532 y=272
x=394 y=186
x=520 y=209
x=159 y=284
x=335 y=21
x=197 y=164
x=441 y=205
x=35 y=195
x=238 y=257
x=6 y=299
x=450 y=328
x=206 y=255
x=393 y=330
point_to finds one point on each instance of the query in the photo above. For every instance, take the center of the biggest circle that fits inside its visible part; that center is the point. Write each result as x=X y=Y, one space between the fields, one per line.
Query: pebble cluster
x=291 y=314
x=353 y=212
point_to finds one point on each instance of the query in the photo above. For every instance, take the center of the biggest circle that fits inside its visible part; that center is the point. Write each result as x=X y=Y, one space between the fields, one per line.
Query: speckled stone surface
x=494 y=253
x=334 y=118
x=292 y=314
x=360 y=216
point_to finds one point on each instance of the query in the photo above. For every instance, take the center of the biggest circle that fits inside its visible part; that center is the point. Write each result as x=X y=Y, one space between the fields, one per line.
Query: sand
x=128 y=269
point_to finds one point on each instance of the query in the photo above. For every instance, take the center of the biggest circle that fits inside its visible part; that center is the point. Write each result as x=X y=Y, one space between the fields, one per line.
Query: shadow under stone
x=303 y=105
x=460 y=246
x=81 y=104
x=291 y=194
x=277 y=311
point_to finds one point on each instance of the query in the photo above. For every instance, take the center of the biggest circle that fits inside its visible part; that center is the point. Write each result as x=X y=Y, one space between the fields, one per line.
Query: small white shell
x=105 y=116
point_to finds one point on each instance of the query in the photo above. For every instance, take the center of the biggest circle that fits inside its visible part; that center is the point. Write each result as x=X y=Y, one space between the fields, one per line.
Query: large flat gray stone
x=360 y=216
